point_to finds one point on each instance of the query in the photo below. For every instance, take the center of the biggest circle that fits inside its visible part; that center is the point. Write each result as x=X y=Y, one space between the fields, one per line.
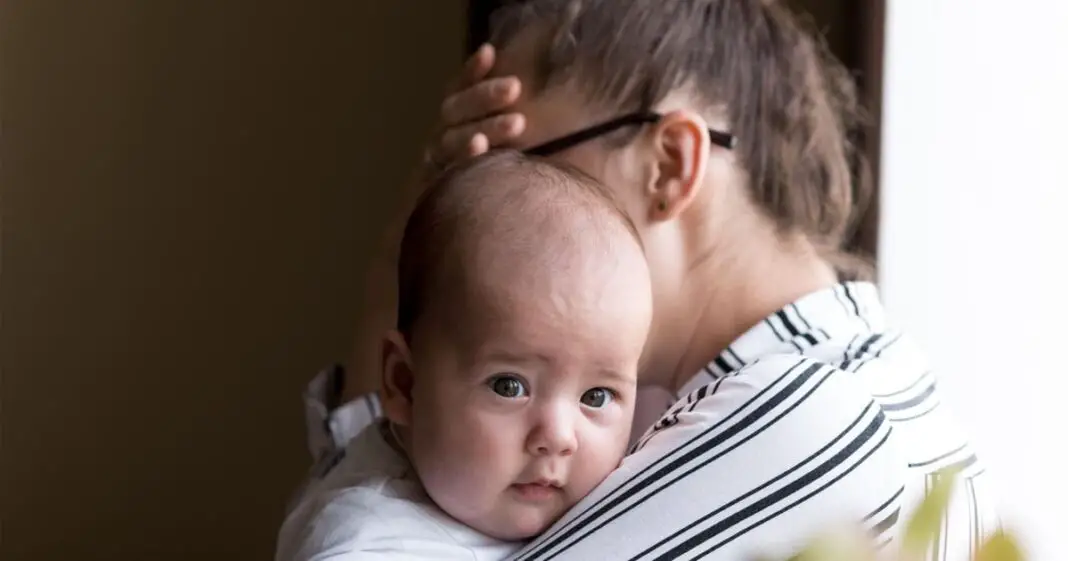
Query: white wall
x=975 y=227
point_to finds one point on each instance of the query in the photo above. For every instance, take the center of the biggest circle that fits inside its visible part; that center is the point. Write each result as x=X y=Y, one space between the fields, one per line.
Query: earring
x=662 y=205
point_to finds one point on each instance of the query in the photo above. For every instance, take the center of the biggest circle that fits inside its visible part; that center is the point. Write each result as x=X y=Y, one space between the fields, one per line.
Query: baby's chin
x=519 y=524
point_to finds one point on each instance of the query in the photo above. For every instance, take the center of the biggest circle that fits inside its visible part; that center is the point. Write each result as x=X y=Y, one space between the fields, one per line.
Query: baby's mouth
x=538 y=490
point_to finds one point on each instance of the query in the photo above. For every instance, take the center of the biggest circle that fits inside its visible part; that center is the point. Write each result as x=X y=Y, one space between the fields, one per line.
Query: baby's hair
x=504 y=206
x=791 y=105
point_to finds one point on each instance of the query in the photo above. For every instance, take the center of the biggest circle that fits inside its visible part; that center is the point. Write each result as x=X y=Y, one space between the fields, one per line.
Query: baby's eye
x=508 y=386
x=597 y=397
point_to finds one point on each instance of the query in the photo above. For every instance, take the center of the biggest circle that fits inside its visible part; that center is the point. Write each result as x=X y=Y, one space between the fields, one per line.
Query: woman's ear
x=681 y=151
x=398 y=378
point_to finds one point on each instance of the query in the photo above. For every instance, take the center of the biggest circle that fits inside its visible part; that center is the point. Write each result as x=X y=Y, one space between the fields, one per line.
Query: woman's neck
x=735 y=294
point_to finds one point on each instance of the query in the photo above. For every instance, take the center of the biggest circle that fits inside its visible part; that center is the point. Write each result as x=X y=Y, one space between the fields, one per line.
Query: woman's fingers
x=478 y=145
x=475 y=69
x=474 y=116
x=480 y=100
x=461 y=141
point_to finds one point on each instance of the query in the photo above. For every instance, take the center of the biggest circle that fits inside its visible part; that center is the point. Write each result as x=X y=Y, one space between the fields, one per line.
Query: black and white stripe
x=727 y=363
x=794 y=331
x=835 y=460
x=870 y=349
x=685 y=405
x=913 y=402
x=882 y=521
x=847 y=294
x=671 y=418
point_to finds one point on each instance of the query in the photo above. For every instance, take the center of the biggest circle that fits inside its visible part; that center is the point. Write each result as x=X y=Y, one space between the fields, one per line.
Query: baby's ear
x=397 y=379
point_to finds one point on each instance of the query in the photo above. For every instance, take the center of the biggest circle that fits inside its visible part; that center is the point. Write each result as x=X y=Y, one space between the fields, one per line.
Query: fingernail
x=504 y=88
x=509 y=123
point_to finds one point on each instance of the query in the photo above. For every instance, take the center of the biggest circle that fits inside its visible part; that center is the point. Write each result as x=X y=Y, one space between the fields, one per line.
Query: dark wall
x=190 y=191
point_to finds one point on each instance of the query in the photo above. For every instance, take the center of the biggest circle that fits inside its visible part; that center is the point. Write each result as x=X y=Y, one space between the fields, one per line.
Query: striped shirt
x=819 y=416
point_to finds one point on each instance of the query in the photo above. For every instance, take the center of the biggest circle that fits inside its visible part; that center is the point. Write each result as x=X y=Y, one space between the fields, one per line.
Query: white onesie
x=371 y=506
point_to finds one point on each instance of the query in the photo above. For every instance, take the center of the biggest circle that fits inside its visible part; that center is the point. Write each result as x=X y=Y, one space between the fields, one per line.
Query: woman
x=723 y=128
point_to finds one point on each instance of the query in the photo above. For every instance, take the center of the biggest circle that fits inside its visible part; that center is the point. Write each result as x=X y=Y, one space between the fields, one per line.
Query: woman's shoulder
x=861 y=368
x=787 y=433
x=774 y=378
x=779 y=397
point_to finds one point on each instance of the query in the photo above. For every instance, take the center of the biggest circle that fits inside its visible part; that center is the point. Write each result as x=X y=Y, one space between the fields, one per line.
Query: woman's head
x=750 y=157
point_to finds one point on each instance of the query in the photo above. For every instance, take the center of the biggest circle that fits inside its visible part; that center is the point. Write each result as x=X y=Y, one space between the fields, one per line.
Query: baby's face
x=513 y=427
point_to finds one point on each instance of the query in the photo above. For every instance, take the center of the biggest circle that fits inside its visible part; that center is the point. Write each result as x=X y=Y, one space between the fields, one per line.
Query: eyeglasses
x=719 y=138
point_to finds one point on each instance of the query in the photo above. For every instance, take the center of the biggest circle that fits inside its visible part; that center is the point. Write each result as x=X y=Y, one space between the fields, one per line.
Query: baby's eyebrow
x=617 y=376
x=499 y=355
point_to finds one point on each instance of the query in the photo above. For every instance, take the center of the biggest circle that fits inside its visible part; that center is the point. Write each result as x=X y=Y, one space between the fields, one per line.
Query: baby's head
x=524 y=306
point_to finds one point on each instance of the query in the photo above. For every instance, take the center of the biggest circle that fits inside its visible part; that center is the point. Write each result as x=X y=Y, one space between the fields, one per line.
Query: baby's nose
x=554 y=435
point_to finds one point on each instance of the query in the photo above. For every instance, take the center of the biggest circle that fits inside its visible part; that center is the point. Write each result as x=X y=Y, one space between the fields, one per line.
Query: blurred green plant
x=920 y=532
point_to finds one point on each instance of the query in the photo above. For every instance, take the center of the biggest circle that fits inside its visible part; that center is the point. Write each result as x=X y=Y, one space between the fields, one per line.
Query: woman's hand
x=475 y=115
x=474 y=118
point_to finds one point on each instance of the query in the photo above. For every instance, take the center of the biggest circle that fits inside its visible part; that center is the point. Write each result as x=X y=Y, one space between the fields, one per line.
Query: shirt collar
x=840 y=311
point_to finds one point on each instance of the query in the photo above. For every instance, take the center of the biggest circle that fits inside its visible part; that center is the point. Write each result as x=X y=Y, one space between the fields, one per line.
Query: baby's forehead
x=523 y=218
x=529 y=343
x=576 y=297
x=561 y=241
x=580 y=257
x=514 y=227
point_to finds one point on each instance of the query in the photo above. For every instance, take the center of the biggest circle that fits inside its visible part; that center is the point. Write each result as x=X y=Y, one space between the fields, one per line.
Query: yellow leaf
x=925 y=524
x=1000 y=547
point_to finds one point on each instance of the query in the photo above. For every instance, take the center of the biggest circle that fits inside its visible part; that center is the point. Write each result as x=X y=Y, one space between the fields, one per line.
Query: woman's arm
x=754 y=465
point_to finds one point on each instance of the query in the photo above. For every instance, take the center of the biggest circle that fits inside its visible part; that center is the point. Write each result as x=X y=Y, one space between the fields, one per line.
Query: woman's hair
x=792 y=106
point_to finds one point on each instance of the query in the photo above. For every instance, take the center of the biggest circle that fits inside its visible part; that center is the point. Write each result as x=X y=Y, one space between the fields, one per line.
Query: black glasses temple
x=719 y=138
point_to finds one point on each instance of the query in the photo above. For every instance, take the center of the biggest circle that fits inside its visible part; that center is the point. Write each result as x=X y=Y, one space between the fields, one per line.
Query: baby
x=509 y=383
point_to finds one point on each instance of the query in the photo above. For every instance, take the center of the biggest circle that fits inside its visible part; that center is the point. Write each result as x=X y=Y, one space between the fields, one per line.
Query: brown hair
x=534 y=212
x=790 y=103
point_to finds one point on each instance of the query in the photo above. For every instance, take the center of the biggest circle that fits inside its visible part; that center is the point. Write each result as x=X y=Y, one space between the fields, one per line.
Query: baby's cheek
x=601 y=460
x=456 y=484
x=470 y=455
